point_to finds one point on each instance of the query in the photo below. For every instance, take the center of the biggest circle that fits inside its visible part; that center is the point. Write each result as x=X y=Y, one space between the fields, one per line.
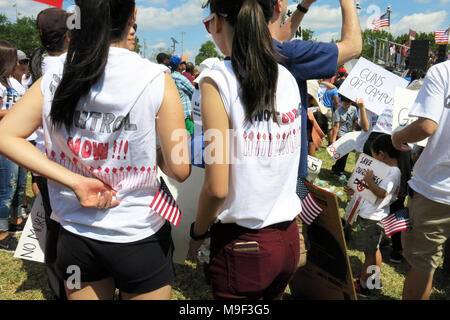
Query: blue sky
x=160 y=20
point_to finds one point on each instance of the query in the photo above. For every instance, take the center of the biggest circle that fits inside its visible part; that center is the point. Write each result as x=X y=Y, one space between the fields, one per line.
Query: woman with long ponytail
x=252 y=128
x=100 y=129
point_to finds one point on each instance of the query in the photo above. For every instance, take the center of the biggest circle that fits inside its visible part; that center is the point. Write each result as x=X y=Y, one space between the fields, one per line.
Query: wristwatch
x=302 y=8
x=196 y=237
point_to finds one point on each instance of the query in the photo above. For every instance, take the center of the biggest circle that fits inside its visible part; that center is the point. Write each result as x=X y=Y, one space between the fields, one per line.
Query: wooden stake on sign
x=327 y=274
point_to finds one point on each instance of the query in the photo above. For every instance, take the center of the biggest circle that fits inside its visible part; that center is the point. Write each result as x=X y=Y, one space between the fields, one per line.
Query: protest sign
x=327 y=274
x=314 y=166
x=32 y=241
x=372 y=83
x=403 y=102
x=186 y=195
x=344 y=145
x=357 y=182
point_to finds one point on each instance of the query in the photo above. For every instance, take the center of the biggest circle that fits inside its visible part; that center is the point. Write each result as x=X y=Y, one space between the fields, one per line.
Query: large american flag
x=441 y=36
x=165 y=205
x=310 y=208
x=54 y=3
x=396 y=222
x=382 y=22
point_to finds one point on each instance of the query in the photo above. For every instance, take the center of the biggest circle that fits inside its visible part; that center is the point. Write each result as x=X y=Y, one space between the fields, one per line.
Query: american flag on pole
x=54 y=3
x=441 y=36
x=310 y=208
x=382 y=22
x=165 y=205
x=396 y=222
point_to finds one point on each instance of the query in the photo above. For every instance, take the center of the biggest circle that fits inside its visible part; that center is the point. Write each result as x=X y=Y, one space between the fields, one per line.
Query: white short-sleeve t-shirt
x=432 y=171
x=265 y=156
x=392 y=186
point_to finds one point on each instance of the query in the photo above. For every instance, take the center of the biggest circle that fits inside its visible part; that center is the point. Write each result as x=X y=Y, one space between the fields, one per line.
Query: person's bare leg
x=159 y=294
x=417 y=285
x=99 y=290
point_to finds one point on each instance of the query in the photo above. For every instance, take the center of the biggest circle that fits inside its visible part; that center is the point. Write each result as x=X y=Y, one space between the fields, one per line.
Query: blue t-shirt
x=306 y=61
x=328 y=97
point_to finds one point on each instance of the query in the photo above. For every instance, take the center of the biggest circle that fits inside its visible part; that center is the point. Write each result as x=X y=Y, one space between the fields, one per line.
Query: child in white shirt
x=369 y=232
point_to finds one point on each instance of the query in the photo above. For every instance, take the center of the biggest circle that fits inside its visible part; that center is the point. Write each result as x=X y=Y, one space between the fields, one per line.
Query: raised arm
x=350 y=46
x=364 y=123
x=288 y=30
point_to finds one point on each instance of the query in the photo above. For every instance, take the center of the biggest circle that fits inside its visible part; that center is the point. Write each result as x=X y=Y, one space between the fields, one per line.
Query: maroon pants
x=253 y=264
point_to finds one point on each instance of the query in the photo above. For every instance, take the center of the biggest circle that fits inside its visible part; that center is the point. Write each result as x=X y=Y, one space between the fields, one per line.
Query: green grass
x=25 y=280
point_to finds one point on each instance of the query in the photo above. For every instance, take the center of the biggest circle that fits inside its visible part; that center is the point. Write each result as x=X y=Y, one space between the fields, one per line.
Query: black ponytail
x=102 y=22
x=254 y=60
x=36 y=63
x=253 y=56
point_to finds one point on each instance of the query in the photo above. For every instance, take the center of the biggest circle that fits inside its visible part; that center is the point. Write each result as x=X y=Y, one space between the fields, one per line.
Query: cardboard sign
x=314 y=166
x=32 y=241
x=404 y=100
x=186 y=194
x=352 y=209
x=372 y=83
x=346 y=144
x=327 y=274
x=357 y=183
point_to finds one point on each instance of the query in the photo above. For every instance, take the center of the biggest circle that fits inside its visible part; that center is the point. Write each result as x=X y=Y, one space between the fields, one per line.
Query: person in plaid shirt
x=185 y=89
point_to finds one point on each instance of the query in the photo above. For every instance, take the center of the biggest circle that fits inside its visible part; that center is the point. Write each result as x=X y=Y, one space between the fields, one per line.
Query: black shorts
x=137 y=267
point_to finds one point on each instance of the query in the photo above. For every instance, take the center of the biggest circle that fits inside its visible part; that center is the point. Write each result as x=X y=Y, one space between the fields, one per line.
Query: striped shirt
x=186 y=90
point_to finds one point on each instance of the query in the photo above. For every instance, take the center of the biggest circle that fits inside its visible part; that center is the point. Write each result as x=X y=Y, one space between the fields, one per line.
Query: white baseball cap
x=313 y=91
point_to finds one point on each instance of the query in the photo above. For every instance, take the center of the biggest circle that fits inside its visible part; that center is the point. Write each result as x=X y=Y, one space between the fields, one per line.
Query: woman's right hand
x=93 y=193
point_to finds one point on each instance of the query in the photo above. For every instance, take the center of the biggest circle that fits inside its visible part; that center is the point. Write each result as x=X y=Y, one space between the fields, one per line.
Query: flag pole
x=389 y=11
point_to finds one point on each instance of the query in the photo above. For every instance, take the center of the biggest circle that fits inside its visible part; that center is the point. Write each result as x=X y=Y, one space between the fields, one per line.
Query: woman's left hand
x=194 y=246
x=93 y=193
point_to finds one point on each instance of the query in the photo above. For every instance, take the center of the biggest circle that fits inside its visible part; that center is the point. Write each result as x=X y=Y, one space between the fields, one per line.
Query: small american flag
x=310 y=208
x=383 y=21
x=396 y=222
x=441 y=36
x=165 y=205
x=54 y=3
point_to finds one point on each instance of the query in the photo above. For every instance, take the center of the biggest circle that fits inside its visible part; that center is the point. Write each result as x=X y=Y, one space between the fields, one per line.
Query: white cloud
x=161 y=19
x=160 y=45
x=24 y=8
x=321 y=17
x=328 y=36
x=422 y=22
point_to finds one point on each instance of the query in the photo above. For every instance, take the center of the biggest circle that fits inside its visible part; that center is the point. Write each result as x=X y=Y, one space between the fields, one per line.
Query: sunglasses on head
x=210 y=18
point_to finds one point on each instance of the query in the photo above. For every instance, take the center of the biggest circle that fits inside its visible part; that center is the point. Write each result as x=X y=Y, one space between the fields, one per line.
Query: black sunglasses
x=135 y=27
x=24 y=61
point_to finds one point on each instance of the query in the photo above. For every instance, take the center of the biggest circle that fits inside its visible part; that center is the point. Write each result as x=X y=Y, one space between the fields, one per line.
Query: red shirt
x=189 y=76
